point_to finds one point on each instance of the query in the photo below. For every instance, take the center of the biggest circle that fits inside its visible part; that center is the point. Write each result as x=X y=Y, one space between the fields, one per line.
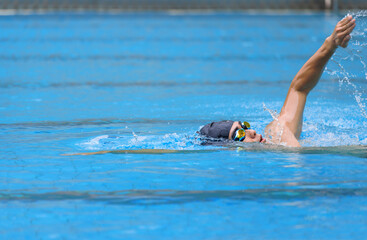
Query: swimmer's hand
x=342 y=31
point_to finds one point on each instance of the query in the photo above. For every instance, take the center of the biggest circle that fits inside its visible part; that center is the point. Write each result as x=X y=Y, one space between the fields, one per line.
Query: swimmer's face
x=252 y=136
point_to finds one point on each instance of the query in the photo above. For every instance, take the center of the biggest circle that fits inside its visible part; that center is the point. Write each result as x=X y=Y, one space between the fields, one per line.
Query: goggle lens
x=240 y=135
x=246 y=125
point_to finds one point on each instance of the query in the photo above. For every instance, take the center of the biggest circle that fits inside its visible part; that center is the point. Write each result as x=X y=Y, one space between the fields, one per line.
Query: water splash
x=349 y=66
x=271 y=138
x=174 y=141
x=273 y=113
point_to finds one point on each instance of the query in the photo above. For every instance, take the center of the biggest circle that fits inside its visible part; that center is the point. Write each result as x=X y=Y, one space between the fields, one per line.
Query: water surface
x=137 y=87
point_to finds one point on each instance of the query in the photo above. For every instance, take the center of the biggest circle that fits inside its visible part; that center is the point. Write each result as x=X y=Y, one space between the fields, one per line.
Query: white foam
x=94 y=143
x=174 y=141
x=325 y=139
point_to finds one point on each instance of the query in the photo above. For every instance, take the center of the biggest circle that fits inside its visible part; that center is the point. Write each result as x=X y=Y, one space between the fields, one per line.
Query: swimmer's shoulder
x=277 y=132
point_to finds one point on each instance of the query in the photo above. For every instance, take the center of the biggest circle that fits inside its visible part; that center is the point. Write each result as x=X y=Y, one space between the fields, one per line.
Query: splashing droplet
x=351 y=67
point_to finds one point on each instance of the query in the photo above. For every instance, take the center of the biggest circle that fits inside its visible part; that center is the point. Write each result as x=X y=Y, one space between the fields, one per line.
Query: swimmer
x=287 y=128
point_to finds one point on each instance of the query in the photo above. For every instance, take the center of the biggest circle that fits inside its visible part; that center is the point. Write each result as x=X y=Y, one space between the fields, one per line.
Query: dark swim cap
x=220 y=129
x=217 y=129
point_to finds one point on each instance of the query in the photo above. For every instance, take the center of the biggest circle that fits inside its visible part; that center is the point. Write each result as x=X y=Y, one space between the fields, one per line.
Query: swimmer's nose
x=251 y=133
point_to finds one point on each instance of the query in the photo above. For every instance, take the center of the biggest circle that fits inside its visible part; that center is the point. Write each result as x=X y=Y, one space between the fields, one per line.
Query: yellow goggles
x=239 y=135
x=246 y=125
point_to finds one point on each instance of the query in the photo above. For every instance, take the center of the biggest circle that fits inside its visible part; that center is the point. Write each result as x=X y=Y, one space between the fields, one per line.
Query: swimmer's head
x=245 y=134
x=236 y=130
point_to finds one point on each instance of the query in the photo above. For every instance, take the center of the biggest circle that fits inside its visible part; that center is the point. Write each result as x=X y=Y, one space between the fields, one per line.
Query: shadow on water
x=359 y=151
x=140 y=151
x=157 y=197
x=355 y=151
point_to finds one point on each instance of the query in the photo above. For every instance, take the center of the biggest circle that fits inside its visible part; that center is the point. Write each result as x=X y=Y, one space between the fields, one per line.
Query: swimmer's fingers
x=343 y=22
x=346 y=27
x=345 y=37
x=345 y=41
x=342 y=30
x=346 y=19
x=347 y=30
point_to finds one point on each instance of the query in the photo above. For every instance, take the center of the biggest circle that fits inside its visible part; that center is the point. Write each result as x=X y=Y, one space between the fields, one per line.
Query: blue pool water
x=137 y=87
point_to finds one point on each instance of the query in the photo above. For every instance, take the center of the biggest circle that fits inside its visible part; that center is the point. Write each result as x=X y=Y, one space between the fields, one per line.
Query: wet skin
x=252 y=136
x=287 y=128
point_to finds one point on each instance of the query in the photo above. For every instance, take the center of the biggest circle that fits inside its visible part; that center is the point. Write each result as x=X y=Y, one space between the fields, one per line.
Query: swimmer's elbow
x=301 y=86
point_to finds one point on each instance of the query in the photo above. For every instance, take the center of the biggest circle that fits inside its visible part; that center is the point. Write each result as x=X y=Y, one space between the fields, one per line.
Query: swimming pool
x=135 y=84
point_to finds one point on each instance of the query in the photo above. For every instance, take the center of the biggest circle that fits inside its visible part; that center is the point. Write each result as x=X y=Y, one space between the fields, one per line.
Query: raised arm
x=308 y=76
x=288 y=127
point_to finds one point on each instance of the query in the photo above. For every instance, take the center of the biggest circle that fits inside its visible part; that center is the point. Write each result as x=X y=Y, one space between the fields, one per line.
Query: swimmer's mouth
x=262 y=140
